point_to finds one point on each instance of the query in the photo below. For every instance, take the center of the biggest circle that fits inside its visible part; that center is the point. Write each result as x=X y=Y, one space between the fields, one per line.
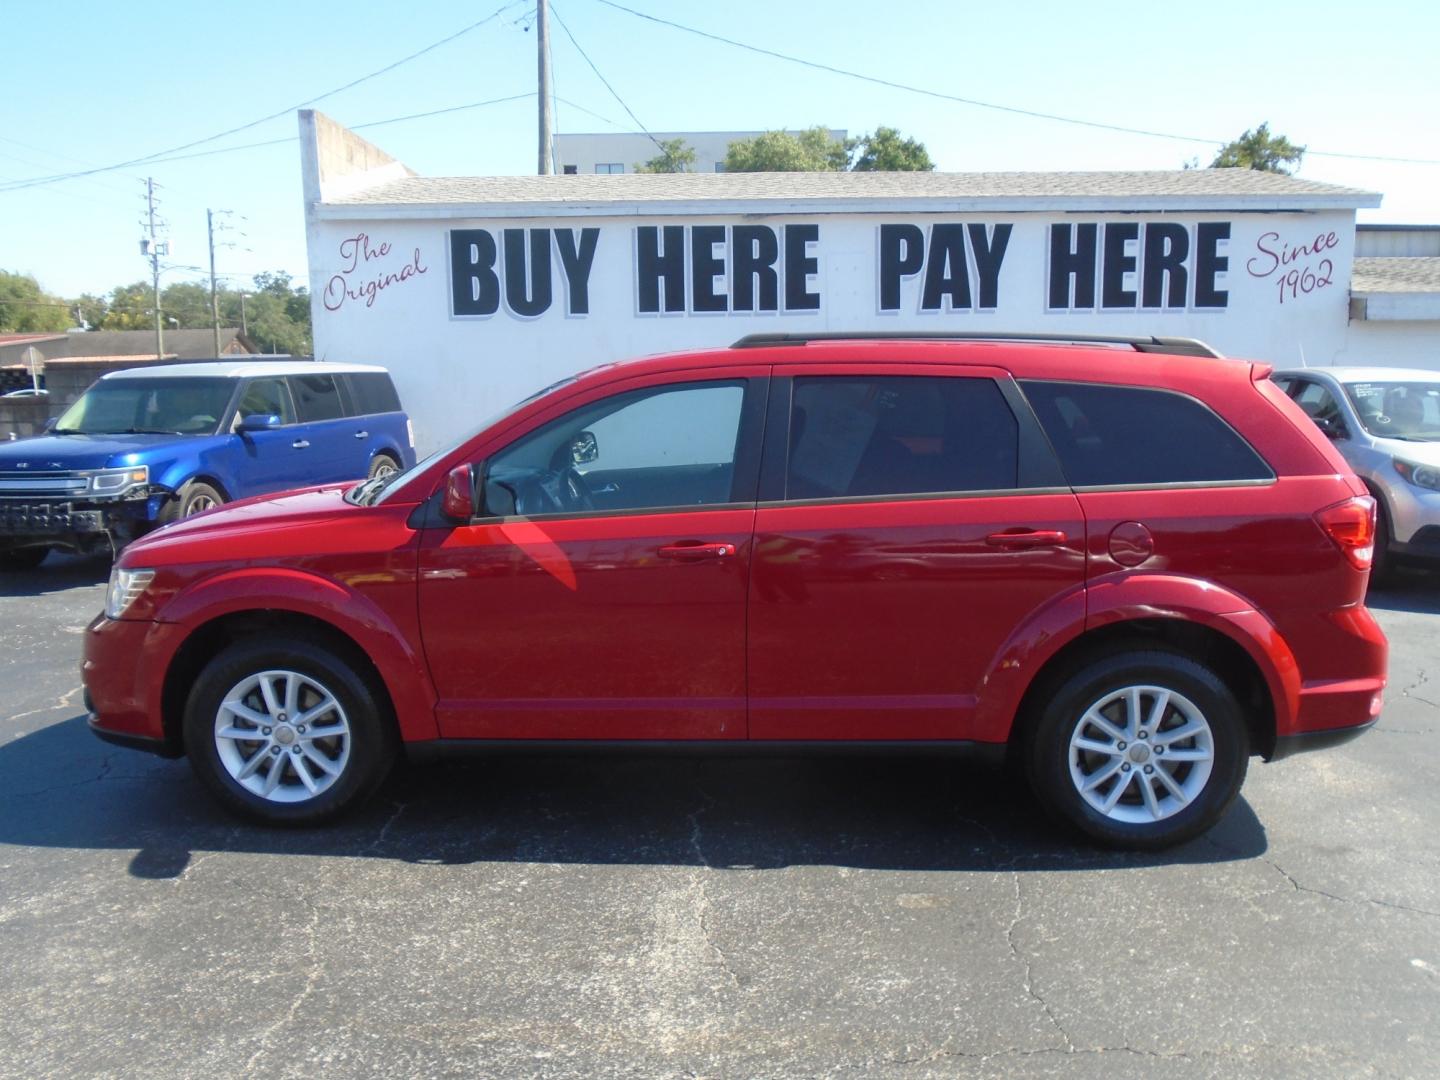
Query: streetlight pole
x=155 y=268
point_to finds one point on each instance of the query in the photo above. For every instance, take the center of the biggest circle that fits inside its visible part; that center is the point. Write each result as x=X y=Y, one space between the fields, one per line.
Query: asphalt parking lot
x=678 y=917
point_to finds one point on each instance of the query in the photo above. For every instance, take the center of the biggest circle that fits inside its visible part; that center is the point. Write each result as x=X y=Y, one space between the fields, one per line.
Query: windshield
x=383 y=489
x=1398 y=410
x=179 y=406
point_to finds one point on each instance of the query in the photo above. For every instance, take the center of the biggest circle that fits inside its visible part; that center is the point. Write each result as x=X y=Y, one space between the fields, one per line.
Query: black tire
x=192 y=498
x=1056 y=779
x=25 y=558
x=382 y=463
x=1382 y=566
x=364 y=755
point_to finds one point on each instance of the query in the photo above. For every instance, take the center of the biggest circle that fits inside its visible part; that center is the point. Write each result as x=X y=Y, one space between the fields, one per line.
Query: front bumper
x=123 y=673
x=54 y=521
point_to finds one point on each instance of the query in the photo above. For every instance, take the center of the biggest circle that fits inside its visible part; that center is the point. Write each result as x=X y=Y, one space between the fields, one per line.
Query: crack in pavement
x=1028 y=981
x=374 y=847
x=62 y=702
x=1300 y=887
x=697 y=847
x=311 y=978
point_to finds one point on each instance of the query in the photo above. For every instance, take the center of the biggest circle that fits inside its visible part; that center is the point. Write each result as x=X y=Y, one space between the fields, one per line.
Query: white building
x=613 y=152
x=476 y=291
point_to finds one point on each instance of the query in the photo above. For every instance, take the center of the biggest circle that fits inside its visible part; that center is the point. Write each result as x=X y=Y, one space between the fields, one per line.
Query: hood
x=267 y=513
x=62 y=453
x=1421 y=453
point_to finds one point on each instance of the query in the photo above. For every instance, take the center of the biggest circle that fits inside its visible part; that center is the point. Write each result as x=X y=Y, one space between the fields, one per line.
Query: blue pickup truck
x=146 y=446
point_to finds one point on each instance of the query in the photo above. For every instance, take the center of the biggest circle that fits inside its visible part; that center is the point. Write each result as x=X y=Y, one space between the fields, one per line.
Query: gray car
x=1386 y=424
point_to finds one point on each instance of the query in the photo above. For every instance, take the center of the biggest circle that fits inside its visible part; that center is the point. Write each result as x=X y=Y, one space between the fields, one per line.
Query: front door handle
x=1026 y=538
x=362 y=434
x=693 y=552
x=300 y=444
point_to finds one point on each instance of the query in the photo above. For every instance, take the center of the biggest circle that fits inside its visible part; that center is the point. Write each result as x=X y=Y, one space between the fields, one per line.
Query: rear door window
x=1124 y=436
x=317 y=397
x=899 y=435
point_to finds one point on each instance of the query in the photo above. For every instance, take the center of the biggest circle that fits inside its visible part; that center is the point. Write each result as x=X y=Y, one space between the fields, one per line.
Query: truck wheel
x=25 y=558
x=1141 y=750
x=287 y=732
x=191 y=499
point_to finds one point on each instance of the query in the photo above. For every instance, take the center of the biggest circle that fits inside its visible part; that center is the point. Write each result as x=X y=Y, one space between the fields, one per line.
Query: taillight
x=1350 y=525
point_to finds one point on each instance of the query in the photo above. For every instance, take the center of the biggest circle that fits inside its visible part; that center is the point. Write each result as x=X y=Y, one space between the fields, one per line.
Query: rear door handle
x=300 y=444
x=1026 y=538
x=362 y=434
x=694 y=552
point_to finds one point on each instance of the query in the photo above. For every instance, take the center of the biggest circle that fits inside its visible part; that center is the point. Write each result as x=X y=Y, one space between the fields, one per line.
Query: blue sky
x=92 y=84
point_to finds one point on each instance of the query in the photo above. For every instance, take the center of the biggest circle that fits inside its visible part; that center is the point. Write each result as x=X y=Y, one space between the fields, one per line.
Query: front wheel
x=287 y=732
x=193 y=498
x=1140 y=750
x=382 y=465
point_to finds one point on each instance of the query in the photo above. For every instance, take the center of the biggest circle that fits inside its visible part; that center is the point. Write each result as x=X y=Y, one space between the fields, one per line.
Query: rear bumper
x=1289 y=745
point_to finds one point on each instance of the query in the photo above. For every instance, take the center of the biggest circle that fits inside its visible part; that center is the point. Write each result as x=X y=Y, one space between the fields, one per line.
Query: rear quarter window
x=1120 y=436
x=373 y=392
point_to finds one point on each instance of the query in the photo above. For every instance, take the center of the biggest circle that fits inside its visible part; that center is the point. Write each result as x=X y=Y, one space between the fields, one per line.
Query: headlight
x=126 y=586
x=116 y=481
x=1426 y=476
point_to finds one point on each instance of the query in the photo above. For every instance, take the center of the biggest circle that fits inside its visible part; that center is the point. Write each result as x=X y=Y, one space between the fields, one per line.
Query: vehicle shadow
x=1408 y=589
x=61 y=788
x=57 y=573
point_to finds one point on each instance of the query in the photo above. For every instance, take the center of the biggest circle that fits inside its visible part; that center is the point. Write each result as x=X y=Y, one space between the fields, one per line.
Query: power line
x=275 y=115
x=353 y=127
x=585 y=56
x=1014 y=110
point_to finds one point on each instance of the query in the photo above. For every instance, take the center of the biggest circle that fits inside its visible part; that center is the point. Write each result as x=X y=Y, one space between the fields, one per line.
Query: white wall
x=387 y=299
x=1392 y=344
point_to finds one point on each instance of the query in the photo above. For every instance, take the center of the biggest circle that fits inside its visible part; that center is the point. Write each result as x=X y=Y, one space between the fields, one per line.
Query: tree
x=675 y=156
x=132 y=307
x=812 y=150
x=887 y=151
x=1261 y=150
x=25 y=308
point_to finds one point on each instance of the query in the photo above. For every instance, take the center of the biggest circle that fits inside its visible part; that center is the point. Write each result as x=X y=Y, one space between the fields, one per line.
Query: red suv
x=1128 y=565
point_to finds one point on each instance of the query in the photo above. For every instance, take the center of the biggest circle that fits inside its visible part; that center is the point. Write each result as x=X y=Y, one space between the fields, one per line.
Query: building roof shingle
x=1398 y=274
x=1182 y=189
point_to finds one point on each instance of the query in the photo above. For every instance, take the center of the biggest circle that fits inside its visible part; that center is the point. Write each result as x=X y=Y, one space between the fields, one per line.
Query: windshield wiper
x=145 y=431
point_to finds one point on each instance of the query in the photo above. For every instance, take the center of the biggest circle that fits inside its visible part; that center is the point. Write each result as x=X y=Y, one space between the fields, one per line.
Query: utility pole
x=153 y=250
x=542 y=39
x=214 y=302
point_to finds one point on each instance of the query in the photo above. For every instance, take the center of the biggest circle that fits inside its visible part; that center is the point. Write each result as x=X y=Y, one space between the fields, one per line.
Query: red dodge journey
x=1128 y=564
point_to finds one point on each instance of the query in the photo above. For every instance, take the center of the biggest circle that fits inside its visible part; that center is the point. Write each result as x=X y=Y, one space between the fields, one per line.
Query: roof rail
x=1176 y=346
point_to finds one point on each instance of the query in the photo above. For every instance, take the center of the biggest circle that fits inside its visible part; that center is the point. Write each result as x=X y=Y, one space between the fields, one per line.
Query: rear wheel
x=24 y=558
x=1381 y=564
x=382 y=465
x=287 y=732
x=1139 y=750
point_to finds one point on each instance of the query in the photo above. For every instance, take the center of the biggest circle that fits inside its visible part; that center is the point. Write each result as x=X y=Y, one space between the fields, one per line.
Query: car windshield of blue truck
x=179 y=406
x=1398 y=410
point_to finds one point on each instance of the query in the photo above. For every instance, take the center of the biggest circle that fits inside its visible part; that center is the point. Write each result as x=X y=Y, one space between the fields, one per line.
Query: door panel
x=612 y=605
x=879 y=620
x=911 y=520
x=581 y=629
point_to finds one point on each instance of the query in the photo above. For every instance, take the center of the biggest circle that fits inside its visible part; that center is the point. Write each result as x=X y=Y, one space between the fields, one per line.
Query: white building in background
x=611 y=152
x=477 y=291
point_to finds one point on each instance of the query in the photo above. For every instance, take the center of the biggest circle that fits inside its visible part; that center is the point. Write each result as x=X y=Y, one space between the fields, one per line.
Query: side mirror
x=1331 y=427
x=259 y=422
x=458 y=502
x=584 y=449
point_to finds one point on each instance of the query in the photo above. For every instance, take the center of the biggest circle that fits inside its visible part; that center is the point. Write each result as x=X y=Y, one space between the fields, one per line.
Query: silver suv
x=1386 y=423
